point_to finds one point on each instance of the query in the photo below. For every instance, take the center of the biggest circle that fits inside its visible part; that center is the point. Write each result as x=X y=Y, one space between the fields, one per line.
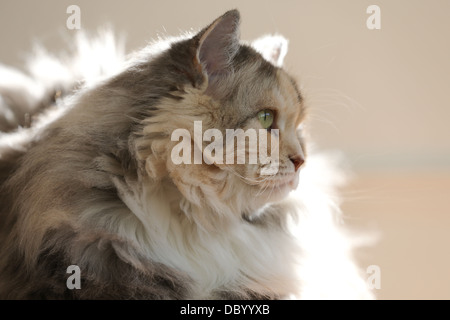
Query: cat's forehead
x=264 y=86
x=290 y=85
x=285 y=97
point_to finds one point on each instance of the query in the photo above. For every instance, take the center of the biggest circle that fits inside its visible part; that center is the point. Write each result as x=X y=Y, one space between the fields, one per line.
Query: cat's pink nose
x=297 y=160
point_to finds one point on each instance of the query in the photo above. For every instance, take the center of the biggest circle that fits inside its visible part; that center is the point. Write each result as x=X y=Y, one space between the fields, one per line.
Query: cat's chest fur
x=240 y=257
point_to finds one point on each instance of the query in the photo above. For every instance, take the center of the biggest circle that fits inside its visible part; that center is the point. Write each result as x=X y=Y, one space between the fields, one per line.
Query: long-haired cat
x=92 y=182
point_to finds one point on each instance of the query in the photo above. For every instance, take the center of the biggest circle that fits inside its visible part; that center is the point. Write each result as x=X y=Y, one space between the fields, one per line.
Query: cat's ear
x=272 y=47
x=218 y=43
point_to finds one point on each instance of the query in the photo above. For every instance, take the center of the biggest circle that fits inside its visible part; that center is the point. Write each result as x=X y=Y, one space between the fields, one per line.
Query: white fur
x=238 y=254
x=311 y=258
x=272 y=47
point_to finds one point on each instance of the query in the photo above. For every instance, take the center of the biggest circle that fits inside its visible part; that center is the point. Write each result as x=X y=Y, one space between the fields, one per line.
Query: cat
x=90 y=181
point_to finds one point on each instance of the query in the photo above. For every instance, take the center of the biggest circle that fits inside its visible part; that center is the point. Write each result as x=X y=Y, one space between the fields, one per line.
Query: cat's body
x=95 y=187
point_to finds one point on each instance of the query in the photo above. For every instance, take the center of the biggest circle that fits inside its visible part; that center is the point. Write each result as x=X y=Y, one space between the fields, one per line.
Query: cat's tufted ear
x=272 y=47
x=218 y=43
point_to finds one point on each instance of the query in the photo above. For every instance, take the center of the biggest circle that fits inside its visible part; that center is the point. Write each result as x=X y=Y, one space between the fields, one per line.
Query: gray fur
x=92 y=150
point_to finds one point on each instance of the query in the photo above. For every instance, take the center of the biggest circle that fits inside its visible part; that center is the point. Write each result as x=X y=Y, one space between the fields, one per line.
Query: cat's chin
x=280 y=188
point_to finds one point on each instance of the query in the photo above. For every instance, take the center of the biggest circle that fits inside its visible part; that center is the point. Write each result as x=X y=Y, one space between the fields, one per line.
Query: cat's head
x=218 y=85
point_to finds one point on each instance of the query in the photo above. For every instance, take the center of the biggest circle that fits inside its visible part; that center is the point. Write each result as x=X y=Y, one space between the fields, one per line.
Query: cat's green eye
x=265 y=117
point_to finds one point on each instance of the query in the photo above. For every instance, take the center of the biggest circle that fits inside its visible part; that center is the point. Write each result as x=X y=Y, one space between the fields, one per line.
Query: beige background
x=379 y=97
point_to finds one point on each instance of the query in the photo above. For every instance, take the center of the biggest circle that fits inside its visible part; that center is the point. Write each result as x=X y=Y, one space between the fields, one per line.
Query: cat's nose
x=297 y=160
